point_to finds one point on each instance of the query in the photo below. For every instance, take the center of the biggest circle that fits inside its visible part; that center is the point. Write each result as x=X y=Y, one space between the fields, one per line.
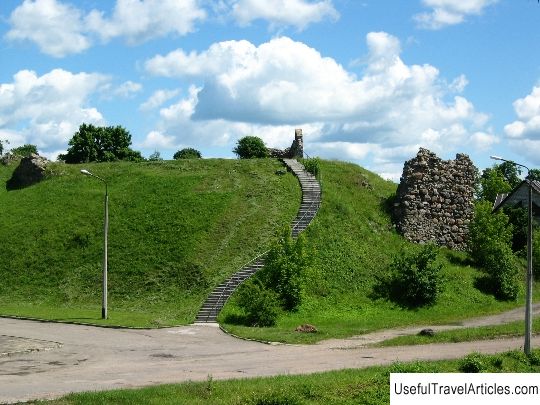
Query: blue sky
x=368 y=81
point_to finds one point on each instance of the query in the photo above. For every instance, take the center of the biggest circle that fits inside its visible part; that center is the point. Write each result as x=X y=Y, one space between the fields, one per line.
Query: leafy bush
x=414 y=279
x=502 y=268
x=312 y=166
x=250 y=147
x=536 y=253
x=25 y=150
x=187 y=153
x=155 y=157
x=260 y=304
x=284 y=269
x=473 y=363
x=490 y=238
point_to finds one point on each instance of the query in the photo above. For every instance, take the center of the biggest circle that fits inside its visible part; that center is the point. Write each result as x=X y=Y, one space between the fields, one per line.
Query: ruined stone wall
x=295 y=151
x=435 y=200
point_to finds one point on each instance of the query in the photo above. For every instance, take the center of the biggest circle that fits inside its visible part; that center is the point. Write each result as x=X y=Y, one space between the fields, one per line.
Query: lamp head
x=496 y=158
x=86 y=172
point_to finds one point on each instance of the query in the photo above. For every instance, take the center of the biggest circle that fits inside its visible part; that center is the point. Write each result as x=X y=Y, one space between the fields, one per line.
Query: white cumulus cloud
x=296 y=13
x=55 y=27
x=141 y=20
x=387 y=112
x=158 y=98
x=47 y=109
x=524 y=133
x=450 y=12
x=59 y=28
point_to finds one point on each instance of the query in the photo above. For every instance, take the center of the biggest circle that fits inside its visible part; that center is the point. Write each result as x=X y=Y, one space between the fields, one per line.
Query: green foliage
x=414 y=279
x=490 y=237
x=312 y=165
x=187 y=153
x=100 y=144
x=1 y=148
x=284 y=269
x=486 y=230
x=473 y=363
x=155 y=157
x=492 y=182
x=536 y=253
x=25 y=150
x=534 y=174
x=260 y=304
x=250 y=147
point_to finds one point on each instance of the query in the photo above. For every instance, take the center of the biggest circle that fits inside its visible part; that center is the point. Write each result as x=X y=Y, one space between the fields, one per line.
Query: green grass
x=513 y=329
x=177 y=229
x=363 y=386
x=352 y=241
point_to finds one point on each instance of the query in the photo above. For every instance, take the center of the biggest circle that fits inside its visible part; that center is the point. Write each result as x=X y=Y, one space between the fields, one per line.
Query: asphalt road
x=40 y=360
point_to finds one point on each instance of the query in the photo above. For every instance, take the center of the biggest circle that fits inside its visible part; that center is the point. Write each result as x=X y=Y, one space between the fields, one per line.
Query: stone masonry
x=434 y=201
x=295 y=151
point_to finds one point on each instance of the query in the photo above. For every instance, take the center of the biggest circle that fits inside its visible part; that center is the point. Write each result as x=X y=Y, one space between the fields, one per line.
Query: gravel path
x=41 y=360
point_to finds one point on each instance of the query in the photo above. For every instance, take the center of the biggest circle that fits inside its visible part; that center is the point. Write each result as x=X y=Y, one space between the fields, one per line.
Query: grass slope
x=352 y=241
x=176 y=230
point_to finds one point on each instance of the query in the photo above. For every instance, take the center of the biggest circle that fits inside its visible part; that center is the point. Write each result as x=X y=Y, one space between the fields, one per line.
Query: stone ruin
x=295 y=151
x=31 y=170
x=434 y=201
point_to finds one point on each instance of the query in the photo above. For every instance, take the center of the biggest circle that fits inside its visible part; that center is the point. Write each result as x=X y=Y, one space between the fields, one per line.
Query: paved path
x=48 y=360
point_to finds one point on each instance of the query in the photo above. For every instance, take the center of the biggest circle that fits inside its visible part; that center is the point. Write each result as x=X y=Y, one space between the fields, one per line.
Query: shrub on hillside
x=250 y=147
x=414 y=279
x=260 y=304
x=187 y=153
x=25 y=150
x=312 y=165
x=155 y=157
x=490 y=241
x=284 y=269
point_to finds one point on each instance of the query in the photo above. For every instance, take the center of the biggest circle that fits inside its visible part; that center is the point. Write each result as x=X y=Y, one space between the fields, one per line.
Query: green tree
x=492 y=182
x=187 y=153
x=1 y=148
x=100 y=144
x=25 y=150
x=490 y=238
x=498 y=179
x=534 y=174
x=250 y=147
x=155 y=157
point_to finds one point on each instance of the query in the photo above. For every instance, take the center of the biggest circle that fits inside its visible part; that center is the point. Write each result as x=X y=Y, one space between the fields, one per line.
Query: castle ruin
x=434 y=201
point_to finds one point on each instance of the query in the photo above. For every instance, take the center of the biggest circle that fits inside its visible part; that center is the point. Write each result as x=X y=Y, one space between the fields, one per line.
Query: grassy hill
x=176 y=230
x=179 y=228
x=352 y=240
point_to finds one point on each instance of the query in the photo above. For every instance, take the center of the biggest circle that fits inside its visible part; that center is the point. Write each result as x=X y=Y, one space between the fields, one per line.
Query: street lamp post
x=528 y=297
x=105 y=243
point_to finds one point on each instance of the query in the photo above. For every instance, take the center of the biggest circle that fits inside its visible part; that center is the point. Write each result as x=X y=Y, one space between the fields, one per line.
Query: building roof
x=519 y=195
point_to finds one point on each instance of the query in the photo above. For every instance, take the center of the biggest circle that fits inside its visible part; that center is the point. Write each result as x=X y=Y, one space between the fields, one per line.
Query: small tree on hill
x=155 y=157
x=187 y=153
x=100 y=144
x=25 y=150
x=490 y=239
x=250 y=147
